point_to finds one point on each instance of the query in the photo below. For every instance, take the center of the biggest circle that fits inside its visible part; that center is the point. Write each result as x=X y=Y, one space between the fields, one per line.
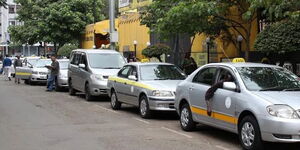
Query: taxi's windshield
x=42 y=63
x=106 y=61
x=161 y=72
x=269 y=79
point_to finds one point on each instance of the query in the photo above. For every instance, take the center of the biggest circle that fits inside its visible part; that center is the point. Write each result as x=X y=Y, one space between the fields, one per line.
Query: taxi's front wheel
x=186 y=119
x=249 y=134
x=145 y=111
x=115 y=104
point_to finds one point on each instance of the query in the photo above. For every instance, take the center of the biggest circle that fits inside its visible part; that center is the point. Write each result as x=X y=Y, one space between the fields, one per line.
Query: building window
x=12 y=23
x=11 y=9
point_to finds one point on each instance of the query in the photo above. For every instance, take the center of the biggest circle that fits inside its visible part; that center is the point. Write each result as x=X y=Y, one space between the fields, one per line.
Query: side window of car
x=133 y=72
x=76 y=59
x=206 y=76
x=226 y=75
x=124 y=72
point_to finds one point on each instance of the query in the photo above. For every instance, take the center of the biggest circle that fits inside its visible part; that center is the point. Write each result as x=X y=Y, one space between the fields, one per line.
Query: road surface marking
x=171 y=130
x=143 y=121
x=99 y=106
x=221 y=147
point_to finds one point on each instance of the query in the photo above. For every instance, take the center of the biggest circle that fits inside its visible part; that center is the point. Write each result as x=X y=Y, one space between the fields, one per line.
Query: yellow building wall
x=87 y=41
x=225 y=49
x=130 y=30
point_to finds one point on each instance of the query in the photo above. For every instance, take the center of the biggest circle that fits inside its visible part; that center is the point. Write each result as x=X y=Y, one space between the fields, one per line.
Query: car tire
x=26 y=81
x=186 y=119
x=72 y=91
x=249 y=134
x=87 y=92
x=115 y=104
x=144 y=109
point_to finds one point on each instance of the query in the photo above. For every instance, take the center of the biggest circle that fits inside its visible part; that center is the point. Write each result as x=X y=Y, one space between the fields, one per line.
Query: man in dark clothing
x=54 y=69
x=7 y=67
x=189 y=65
x=211 y=91
x=17 y=63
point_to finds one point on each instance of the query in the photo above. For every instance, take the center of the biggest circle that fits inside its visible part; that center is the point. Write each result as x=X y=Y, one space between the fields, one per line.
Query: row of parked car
x=260 y=103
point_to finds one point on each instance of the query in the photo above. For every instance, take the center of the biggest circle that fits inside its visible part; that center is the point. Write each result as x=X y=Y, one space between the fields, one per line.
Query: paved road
x=32 y=119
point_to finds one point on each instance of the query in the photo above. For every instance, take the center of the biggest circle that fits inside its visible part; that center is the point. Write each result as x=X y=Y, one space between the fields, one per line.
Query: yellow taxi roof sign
x=238 y=60
x=144 y=60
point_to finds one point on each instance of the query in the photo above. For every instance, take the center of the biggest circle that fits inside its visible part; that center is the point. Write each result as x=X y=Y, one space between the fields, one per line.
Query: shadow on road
x=232 y=138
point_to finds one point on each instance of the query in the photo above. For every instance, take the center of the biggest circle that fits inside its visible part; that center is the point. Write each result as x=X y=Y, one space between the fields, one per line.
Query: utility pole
x=94 y=21
x=112 y=31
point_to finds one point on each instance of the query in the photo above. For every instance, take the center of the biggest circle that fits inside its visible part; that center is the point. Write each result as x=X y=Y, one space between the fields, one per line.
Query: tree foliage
x=66 y=50
x=61 y=21
x=275 y=10
x=280 y=37
x=156 y=51
x=215 y=18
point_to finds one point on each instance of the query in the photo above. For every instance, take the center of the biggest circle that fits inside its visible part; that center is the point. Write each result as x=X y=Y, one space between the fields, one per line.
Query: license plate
x=43 y=77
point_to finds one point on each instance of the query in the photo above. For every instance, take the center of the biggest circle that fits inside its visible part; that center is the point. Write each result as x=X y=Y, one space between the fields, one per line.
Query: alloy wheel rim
x=113 y=100
x=248 y=134
x=143 y=107
x=184 y=117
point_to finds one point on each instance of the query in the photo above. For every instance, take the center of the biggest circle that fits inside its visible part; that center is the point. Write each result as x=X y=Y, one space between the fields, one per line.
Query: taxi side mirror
x=230 y=86
x=131 y=77
x=82 y=66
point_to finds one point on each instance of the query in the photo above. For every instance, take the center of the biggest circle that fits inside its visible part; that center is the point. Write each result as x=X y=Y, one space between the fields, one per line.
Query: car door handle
x=115 y=81
x=125 y=83
x=191 y=88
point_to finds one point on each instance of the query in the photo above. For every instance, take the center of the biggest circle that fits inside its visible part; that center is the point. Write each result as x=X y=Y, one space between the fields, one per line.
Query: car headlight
x=35 y=72
x=282 y=111
x=162 y=93
x=96 y=77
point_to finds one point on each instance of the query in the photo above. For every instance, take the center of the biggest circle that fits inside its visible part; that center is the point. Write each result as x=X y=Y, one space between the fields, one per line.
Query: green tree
x=279 y=38
x=274 y=10
x=66 y=50
x=156 y=51
x=54 y=21
x=216 y=18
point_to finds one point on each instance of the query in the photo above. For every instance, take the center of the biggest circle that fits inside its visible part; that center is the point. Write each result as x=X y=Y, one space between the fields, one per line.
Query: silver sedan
x=261 y=103
x=150 y=86
x=62 y=78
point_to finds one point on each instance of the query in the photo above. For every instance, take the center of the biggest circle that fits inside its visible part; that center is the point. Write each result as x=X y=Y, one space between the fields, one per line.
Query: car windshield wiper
x=292 y=89
x=276 y=88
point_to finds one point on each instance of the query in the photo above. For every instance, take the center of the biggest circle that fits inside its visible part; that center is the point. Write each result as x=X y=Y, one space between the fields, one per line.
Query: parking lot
x=32 y=119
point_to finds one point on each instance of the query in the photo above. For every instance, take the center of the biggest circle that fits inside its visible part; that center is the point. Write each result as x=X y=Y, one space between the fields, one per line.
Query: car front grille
x=43 y=73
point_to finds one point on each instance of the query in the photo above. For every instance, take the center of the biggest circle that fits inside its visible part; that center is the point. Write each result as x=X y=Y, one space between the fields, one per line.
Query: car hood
x=105 y=72
x=291 y=98
x=168 y=85
x=40 y=69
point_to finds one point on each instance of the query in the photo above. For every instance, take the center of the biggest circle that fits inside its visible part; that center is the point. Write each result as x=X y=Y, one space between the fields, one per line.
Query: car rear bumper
x=274 y=129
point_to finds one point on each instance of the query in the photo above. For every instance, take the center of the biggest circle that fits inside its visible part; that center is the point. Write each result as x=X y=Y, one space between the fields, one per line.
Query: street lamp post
x=239 y=40
x=135 y=43
x=208 y=46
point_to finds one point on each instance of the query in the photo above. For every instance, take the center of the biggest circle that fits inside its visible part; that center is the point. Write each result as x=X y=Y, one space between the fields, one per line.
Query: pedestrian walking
x=54 y=71
x=7 y=67
x=17 y=63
